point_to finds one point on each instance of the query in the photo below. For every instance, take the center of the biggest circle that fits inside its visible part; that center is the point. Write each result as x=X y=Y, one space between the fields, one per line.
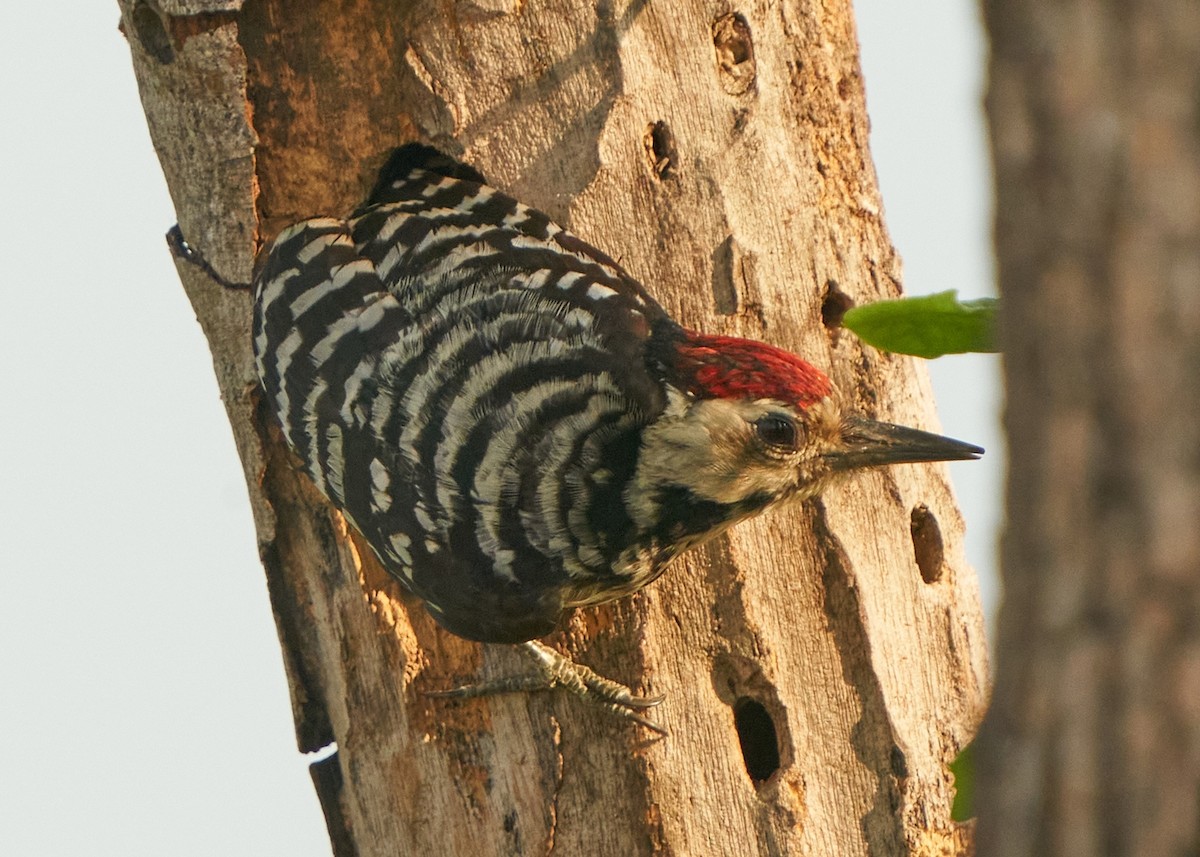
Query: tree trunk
x=820 y=670
x=1093 y=744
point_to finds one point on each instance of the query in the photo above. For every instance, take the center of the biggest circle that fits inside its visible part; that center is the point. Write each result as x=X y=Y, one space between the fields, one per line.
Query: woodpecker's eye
x=776 y=430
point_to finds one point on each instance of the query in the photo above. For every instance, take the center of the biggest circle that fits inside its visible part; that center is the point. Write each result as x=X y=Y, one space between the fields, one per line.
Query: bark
x=1093 y=743
x=722 y=157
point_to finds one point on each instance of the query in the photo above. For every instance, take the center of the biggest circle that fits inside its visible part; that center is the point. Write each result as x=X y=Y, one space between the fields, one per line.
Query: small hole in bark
x=152 y=33
x=834 y=305
x=735 y=53
x=660 y=149
x=927 y=544
x=760 y=743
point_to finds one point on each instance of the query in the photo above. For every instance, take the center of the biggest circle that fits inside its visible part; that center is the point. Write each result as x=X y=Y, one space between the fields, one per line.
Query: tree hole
x=660 y=149
x=152 y=33
x=834 y=305
x=735 y=54
x=760 y=743
x=927 y=544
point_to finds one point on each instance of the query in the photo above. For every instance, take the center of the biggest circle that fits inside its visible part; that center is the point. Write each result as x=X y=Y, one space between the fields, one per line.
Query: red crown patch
x=726 y=367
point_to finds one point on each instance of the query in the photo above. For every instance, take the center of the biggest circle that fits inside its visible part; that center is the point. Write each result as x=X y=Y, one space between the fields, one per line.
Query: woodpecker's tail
x=415 y=156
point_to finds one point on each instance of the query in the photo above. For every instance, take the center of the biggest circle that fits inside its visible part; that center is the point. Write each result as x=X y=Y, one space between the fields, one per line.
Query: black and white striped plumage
x=458 y=375
x=510 y=420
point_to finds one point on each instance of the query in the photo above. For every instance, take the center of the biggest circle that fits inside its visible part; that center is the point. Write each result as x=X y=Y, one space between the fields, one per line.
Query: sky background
x=142 y=693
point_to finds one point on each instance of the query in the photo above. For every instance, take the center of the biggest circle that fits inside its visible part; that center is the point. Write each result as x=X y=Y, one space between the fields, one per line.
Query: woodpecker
x=512 y=422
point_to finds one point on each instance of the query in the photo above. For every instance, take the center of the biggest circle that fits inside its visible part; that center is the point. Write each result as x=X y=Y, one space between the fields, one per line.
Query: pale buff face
x=720 y=450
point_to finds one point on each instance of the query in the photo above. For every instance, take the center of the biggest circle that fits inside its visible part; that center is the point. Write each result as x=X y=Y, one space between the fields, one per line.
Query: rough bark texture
x=721 y=155
x=1093 y=745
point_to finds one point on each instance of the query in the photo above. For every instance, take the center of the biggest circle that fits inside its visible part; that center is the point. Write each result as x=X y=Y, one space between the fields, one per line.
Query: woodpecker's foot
x=556 y=670
x=181 y=249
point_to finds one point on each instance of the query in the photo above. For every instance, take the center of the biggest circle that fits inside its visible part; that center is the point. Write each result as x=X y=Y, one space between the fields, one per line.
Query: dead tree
x=822 y=665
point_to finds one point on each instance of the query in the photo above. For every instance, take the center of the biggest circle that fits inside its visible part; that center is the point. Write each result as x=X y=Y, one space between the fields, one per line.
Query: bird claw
x=181 y=249
x=557 y=671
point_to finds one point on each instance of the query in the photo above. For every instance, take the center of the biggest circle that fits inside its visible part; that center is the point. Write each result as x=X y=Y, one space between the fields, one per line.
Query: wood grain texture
x=721 y=155
x=1093 y=746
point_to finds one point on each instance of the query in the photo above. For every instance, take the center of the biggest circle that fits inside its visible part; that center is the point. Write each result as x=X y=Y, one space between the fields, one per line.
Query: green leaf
x=928 y=326
x=963 y=769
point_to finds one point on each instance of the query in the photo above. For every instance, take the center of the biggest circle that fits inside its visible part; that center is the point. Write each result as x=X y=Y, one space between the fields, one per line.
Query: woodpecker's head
x=750 y=425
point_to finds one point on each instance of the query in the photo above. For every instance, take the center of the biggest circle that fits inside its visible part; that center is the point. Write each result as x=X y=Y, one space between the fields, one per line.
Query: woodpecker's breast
x=468 y=383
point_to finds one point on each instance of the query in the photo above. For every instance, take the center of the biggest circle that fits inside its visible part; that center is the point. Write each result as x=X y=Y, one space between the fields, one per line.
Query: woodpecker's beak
x=866 y=443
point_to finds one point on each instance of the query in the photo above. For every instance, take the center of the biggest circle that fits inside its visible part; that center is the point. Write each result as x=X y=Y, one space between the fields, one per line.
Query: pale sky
x=143 y=699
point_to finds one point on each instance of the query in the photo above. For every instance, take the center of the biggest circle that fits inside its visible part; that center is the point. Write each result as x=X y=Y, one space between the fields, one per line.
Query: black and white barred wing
x=455 y=371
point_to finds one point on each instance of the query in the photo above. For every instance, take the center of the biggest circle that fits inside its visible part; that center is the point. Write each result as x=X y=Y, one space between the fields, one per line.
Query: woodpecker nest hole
x=757 y=736
x=659 y=143
x=151 y=33
x=834 y=305
x=735 y=54
x=928 y=549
